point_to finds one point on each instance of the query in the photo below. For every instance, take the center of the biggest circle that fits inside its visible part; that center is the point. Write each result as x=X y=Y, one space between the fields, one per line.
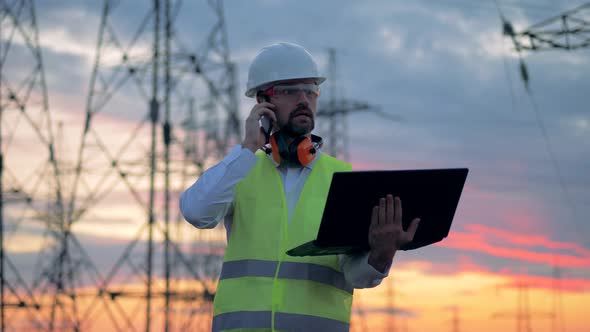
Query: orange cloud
x=479 y=242
x=528 y=240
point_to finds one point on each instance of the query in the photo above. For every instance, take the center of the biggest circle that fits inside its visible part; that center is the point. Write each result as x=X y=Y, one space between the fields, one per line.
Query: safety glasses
x=292 y=91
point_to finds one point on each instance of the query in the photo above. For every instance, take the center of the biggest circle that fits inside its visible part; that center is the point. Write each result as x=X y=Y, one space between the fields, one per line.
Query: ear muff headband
x=274 y=149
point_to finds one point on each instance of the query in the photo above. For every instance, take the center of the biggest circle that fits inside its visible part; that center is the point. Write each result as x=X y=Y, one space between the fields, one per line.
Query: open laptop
x=429 y=194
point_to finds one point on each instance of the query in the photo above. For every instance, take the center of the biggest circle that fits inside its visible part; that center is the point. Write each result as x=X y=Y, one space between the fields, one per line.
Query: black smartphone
x=264 y=122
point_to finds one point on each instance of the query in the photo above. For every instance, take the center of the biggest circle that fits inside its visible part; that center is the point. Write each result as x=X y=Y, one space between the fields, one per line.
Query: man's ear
x=261 y=97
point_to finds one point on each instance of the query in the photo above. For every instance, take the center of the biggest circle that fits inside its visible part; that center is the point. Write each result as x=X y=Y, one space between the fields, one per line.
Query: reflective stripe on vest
x=283 y=321
x=288 y=270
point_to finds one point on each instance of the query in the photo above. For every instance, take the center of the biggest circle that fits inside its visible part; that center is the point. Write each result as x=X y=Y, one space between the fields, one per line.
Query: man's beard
x=292 y=129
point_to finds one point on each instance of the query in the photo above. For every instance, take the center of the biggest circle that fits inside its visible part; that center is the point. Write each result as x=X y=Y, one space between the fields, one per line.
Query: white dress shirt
x=210 y=199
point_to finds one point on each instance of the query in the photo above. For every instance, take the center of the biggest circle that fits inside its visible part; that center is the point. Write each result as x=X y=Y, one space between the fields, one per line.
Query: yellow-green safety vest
x=260 y=287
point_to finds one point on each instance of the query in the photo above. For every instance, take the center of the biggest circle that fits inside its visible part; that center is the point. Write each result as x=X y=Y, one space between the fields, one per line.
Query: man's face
x=295 y=112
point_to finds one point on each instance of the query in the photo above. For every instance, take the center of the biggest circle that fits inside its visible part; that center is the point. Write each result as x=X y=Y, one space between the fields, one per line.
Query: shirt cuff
x=359 y=273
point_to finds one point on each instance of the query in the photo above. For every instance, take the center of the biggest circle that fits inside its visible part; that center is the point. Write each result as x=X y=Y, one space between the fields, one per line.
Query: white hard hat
x=279 y=62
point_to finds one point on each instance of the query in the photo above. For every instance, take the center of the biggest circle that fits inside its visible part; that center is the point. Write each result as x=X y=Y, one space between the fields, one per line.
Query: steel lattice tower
x=523 y=314
x=336 y=110
x=149 y=80
x=32 y=192
x=569 y=30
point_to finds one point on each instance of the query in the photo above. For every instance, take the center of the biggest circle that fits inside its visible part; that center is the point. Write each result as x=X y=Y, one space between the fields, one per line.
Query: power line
x=530 y=33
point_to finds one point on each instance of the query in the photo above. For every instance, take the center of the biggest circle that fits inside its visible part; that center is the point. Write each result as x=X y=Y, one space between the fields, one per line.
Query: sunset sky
x=442 y=68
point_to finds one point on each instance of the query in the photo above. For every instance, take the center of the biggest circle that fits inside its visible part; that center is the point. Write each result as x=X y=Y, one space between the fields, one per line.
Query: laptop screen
x=429 y=194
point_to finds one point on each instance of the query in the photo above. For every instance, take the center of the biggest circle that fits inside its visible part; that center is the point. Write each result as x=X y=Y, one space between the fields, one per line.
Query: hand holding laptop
x=386 y=234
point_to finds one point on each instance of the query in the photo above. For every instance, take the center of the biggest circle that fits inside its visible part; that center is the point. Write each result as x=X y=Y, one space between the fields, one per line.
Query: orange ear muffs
x=301 y=151
x=304 y=151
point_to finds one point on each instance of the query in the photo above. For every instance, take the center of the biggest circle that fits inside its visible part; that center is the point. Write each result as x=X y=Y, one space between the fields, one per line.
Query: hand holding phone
x=259 y=125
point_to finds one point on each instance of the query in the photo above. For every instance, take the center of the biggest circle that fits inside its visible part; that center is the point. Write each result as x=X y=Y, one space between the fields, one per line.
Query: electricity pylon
x=557 y=322
x=569 y=30
x=148 y=78
x=31 y=194
x=336 y=111
x=523 y=314
x=455 y=319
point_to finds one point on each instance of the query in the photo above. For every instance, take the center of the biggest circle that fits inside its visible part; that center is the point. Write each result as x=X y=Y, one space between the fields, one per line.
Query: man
x=273 y=201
